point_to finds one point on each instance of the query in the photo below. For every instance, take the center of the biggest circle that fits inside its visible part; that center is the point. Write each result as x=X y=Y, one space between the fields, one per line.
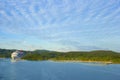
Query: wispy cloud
x=60 y=20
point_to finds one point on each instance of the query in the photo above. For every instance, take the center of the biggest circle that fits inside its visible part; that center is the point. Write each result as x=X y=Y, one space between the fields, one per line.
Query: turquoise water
x=49 y=70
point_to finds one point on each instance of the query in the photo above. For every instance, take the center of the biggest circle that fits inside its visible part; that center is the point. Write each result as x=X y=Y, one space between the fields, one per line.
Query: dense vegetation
x=105 y=56
x=108 y=56
x=5 y=53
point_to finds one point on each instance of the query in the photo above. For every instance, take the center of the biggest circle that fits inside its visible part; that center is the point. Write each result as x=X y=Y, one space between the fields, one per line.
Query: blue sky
x=60 y=25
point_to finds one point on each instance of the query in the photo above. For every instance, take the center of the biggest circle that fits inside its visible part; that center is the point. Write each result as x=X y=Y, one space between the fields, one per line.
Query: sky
x=60 y=25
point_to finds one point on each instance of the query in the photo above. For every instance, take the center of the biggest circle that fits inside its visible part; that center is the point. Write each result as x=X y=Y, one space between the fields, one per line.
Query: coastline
x=89 y=61
x=103 y=62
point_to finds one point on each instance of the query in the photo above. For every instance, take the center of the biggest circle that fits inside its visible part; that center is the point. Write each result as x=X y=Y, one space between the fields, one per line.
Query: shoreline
x=89 y=61
x=104 y=62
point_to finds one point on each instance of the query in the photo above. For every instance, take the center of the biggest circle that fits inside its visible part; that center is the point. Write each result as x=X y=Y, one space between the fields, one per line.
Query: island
x=103 y=56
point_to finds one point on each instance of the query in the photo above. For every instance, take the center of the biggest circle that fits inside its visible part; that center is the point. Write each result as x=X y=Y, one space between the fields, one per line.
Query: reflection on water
x=50 y=70
x=15 y=60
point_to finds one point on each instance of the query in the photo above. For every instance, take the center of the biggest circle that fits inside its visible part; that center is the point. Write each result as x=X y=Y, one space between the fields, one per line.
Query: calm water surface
x=49 y=70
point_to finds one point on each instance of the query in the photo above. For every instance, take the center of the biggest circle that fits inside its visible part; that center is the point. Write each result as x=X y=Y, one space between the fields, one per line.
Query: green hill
x=100 y=55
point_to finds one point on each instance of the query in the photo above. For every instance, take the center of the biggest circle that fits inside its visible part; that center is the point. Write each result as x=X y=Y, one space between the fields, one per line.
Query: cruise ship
x=16 y=55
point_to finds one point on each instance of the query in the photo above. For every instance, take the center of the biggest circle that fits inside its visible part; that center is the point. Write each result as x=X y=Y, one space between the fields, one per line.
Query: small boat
x=16 y=55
